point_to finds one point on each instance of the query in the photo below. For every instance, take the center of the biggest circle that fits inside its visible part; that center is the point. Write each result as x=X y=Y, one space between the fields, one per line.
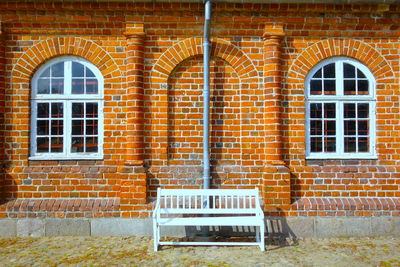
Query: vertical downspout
x=206 y=95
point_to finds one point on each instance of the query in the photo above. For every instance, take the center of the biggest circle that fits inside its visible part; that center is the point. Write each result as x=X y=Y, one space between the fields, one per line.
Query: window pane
x=330 y=144
x=91 y=144
x=362 y=87
x=57 y=127
x=363 y=127
x=77 y=70
x=330 y=127
x=57 y=86
x=57 y=110
x=316 y=87
x=316 y=127
x=77 y=127
x=349 y=127
x=316 y=144
x=43 y=86
x=91 y=127
x=78 y=110
x=56 y=145
x=329 y=87
x=349 y=110
x=42 y=144
x=318 y=74
x=363 y=144
x=91 y=110
x=42 y=127
x=329 y=71
x=329 y=110
x=43 y=110
x=46 y=73
x=89 y=73
x=349 y=144
x=77 y=144
x=360 y=74
x=91 y=86
x=57 y=70
x=78 y=86
x=349 y=87
x=363 y=110
x=349 y=71
x=316 y=110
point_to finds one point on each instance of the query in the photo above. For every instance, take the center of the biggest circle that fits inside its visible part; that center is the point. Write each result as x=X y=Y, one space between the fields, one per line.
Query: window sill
x=348 y=157
x=66 y=158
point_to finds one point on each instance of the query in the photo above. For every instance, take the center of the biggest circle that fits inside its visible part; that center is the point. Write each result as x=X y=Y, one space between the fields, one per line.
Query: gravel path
x=138 y=251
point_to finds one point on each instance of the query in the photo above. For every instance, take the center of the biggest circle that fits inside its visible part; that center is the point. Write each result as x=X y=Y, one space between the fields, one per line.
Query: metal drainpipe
x=206 y=95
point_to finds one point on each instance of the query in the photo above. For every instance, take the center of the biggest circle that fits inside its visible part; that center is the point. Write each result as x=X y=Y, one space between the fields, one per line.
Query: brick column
x=134 y=70
x=2 y=116
x=276 y=182
x=133 y=190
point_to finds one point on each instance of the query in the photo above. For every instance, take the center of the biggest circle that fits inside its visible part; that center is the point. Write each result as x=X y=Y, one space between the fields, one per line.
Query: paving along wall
x=150 y=56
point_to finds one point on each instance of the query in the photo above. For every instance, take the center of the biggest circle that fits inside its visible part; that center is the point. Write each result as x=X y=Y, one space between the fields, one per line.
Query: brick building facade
x=148 y=125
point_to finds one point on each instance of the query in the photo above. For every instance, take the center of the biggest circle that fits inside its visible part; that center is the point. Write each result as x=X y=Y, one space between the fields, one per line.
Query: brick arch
x=38 y=54
x=356 y=49
x=194 y=46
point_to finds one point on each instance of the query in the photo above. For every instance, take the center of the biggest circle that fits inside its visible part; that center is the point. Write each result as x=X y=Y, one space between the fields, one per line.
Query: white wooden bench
x=208 y=207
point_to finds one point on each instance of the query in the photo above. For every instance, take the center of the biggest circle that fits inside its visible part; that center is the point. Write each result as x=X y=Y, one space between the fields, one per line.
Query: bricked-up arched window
x=66 y=110
x=340 y=110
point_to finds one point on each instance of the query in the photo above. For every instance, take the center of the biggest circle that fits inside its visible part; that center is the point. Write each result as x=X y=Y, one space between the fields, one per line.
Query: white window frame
x=340 y=99
x=67 y=99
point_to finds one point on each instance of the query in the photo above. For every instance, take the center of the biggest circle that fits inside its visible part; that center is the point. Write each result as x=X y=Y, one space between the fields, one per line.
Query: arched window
x=66 y=110
x=340 y=110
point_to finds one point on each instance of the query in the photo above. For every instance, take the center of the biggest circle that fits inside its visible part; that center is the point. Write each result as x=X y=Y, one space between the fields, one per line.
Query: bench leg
x=156 y=235
x=262 y=237
x=258 y=234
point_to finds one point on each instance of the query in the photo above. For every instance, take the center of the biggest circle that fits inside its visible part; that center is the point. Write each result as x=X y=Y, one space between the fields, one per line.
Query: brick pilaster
x=134 y=70
x=276 y=177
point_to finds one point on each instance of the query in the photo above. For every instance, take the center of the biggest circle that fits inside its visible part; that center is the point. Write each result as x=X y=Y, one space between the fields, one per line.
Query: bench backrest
x=208 y=201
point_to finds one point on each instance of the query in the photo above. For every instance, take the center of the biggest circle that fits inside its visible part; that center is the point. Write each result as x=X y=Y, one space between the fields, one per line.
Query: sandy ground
x=138 y=251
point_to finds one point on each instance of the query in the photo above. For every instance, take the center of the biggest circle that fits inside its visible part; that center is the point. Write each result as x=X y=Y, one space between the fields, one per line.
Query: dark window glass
x=349 y=71
x=360 y=74
x=78 y=86
x=77 y=127
x=318 y=74
x=349 y=127
x=77 y=144
x=349 y=87
x=316 y=110
x=329 y=71
x=91 y=110
x=42 y=144
x=56 y=145
x=57 y=86
x=363 y=110
x=46 y=73
x=91 y=86
x=42 y=127
x=316 y=127
x=91 y=144
x=57 y=127
x=316 y=87
x=43 y=110
x=363 y=87
x=329 y=110
x=57 y=110
x=363 y=144
x=330 y=144
x=350 y=144
x=329 y=87
x=330 y=127
x=89 y=73
x=78 y=110
x=91 y=127
x=349 y=110
x=363 y=127
x=316 y=144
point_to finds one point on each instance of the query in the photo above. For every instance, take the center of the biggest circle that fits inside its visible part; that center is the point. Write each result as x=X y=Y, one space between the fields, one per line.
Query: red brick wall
x=151 y=58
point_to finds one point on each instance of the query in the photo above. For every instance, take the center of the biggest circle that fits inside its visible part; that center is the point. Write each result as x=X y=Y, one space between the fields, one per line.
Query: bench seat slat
x=214 y=221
